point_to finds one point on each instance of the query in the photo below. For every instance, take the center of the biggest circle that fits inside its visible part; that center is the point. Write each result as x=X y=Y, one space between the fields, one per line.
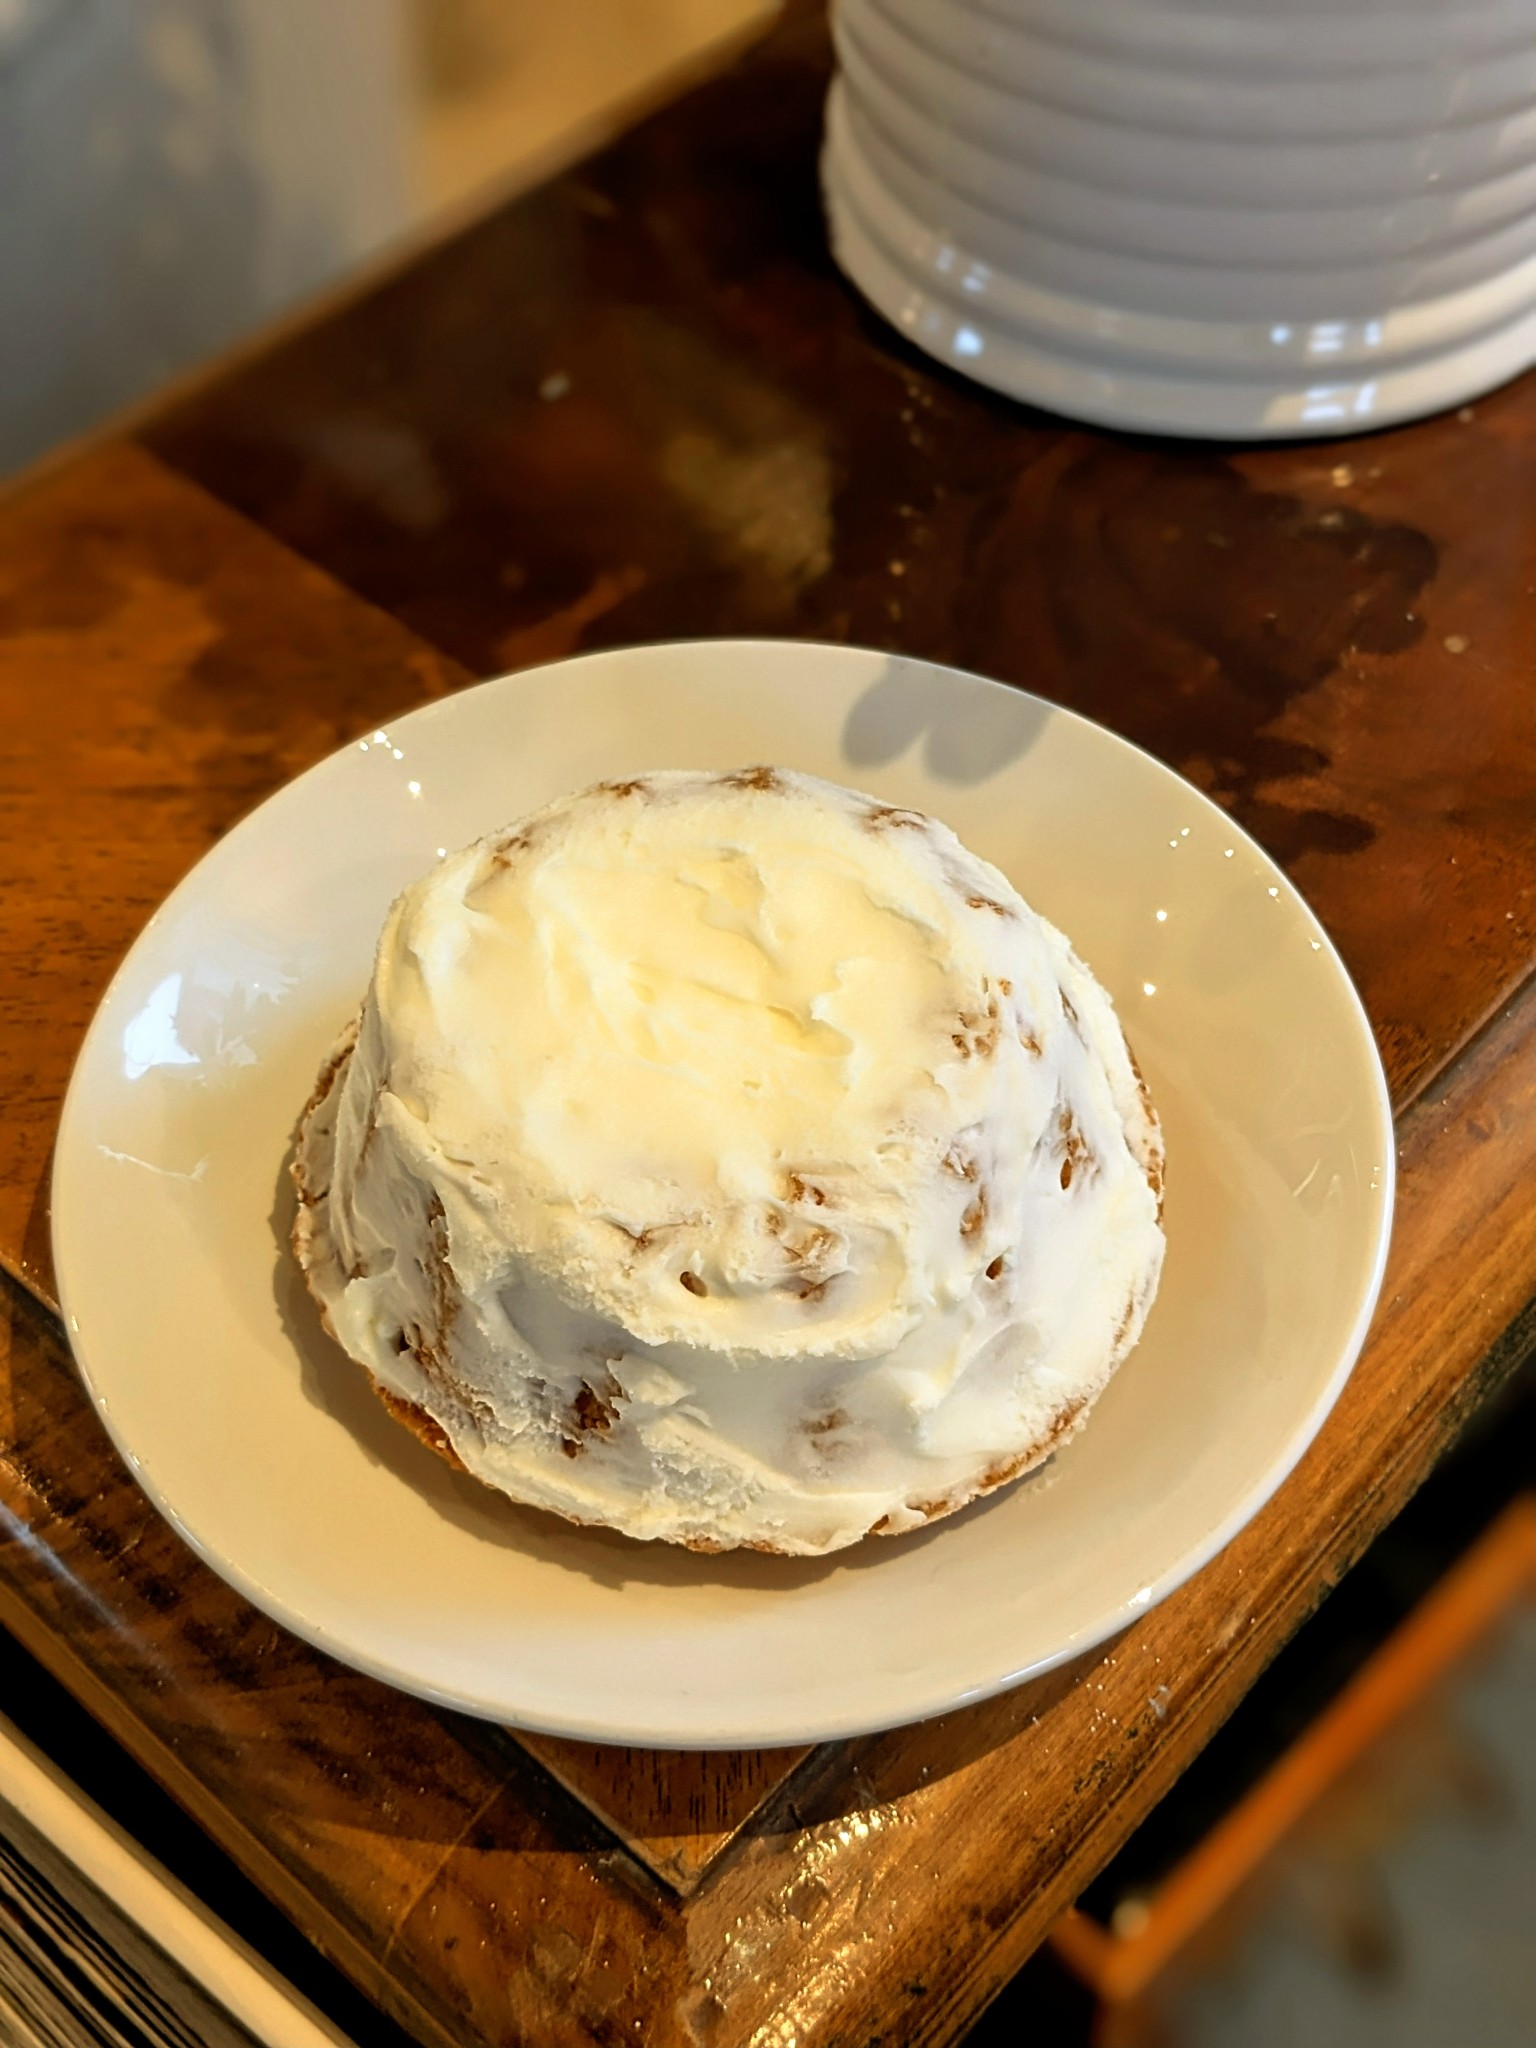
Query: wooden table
x=641 y=403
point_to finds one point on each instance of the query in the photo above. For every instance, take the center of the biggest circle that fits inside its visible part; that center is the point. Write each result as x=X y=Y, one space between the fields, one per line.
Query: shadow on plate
x=972 y=734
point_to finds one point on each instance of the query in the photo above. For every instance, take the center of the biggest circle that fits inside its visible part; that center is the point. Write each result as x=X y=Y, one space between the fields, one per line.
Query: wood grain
x=730 y=443
x=642 y=404
x=675 y=1809
x=948 y=1850
x=163 y=666
x=890 y=1885
x=342 y=1799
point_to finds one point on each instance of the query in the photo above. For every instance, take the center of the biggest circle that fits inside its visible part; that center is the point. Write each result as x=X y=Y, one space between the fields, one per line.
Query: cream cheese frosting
x=732 y=1159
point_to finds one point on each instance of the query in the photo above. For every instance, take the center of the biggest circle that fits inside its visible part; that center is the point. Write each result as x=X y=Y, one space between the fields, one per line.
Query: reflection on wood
x=889 y=1884
x=640 y=403
x=674 y=1809
x=163 y=666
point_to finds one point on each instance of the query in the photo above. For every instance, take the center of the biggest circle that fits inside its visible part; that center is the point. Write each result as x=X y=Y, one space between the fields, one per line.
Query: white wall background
x=174 y=171
x=171 y=170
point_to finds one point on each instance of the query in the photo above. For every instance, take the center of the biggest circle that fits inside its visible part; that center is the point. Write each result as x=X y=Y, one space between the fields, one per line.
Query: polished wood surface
x=641 y=404
x=887 y=1884
x=163 y=666
x=674 y=1809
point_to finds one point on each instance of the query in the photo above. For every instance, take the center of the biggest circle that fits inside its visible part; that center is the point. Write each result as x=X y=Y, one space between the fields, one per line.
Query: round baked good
x=732 y=1159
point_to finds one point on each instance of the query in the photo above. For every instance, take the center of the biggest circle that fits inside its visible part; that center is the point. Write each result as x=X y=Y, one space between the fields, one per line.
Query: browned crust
x=892 y=817
x=330 y=1072
x=420 y=1423
x=301 y=1234
x=1154 y=1167
x=408 y=1413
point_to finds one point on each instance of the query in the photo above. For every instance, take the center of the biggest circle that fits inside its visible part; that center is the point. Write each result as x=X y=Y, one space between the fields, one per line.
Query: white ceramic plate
x=265 y=1445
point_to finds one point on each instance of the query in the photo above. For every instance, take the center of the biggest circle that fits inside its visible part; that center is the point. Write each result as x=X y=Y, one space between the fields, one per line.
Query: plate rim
x=919 y=1703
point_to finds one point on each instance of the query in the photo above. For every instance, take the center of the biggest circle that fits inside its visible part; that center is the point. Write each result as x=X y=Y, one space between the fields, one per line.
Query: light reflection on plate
x=265 y=1445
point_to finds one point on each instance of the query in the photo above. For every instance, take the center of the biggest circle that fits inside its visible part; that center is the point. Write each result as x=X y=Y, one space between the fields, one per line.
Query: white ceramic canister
x=1252 y=218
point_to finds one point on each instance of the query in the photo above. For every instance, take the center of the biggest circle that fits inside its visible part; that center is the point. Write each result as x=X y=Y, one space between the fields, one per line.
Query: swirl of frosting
x=732 y=1159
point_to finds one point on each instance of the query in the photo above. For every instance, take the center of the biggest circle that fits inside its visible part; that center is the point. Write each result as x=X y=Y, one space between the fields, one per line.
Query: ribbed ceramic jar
x=1240 y=218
